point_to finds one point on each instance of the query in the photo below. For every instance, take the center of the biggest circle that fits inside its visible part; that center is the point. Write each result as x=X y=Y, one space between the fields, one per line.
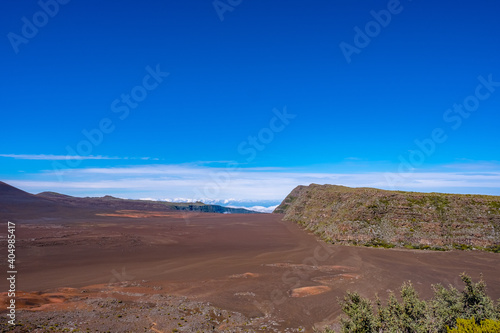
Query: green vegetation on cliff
x=380 y=218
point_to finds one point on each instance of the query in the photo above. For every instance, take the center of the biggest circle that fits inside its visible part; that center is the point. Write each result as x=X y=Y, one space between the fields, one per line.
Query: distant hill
x=10 y=195
x=111 y=203
x=13 y=200
x=373 y=217
x=15 y=203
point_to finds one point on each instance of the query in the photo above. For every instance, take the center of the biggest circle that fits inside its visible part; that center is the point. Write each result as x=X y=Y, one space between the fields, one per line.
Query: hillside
x=373 y=217
x=18 y=204
x=10 y=195
x=14 y=200
x=111 y=203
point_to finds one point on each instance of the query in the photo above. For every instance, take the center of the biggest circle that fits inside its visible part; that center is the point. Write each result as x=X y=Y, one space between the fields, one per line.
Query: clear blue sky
x=354 y=121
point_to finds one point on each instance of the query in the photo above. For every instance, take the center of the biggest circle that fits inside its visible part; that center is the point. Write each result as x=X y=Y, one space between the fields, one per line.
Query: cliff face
x=368 y=216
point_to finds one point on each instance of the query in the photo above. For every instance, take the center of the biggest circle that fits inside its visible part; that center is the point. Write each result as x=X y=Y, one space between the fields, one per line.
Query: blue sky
x=244 y=100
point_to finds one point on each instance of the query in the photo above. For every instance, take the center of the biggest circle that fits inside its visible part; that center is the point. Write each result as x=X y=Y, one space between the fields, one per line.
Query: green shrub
x=469 y=310
x=379 y=243
x=444 y=308
x=462 y=247
x=476 y=304
x=495 y=204
x=494 y=248
x=470 y=326
x=407 y=316
x=359 y=311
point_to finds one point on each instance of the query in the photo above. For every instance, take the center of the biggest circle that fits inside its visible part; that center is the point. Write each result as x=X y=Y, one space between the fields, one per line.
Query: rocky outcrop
x=373 y=217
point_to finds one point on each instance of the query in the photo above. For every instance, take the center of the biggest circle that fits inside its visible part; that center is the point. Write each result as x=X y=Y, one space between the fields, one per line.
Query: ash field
x=109 y=269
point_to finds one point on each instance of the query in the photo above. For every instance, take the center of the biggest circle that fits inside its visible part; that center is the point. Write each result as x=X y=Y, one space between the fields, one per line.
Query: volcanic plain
x=137 y=271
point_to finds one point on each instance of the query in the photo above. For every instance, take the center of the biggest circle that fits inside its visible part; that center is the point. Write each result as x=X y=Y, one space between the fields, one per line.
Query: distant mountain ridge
x=16 y=203
x=373 y=217
x=110 y=202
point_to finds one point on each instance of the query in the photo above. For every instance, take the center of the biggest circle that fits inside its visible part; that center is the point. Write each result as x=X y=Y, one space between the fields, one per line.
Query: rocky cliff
x=373 y=217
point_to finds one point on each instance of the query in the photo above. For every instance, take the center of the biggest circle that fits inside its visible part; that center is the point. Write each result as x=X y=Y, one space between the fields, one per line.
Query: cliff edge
x=373 y=217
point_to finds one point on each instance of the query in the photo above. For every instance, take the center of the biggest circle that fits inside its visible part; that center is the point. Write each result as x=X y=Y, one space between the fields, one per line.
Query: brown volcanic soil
x=217 y=272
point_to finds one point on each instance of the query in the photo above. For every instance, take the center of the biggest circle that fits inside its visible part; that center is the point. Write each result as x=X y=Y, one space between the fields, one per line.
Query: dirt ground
x=174 y=272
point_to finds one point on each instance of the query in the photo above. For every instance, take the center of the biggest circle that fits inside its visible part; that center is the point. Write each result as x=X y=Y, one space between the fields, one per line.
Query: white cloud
x=218 y=185
x=48 y=157
x=260 y=209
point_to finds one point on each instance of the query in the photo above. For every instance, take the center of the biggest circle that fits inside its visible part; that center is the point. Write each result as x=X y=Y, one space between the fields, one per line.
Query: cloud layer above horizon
x=231 y=183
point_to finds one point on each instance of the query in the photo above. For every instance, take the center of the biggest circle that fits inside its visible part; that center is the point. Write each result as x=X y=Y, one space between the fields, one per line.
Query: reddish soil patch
x=135 y=214
x=244 y=275
x=332 y=280
x=308 y=291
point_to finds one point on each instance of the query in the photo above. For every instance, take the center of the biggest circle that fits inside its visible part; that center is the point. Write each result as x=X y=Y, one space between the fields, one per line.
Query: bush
x=470 y=326
x=444 y=308
x=476 y=304
x=450 y=310
x=359 y=311
x=407 y=316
